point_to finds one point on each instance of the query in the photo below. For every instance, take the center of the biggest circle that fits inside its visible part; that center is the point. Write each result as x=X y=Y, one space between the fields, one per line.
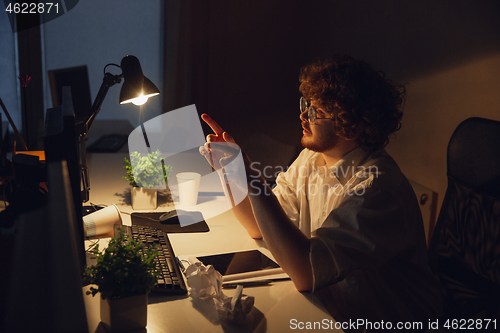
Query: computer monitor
x=77 y=78
x=45 y=250
x=61 y=144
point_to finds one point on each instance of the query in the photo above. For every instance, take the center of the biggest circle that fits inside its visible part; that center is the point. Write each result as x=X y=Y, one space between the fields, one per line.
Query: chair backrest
x=474 y=155
x=465 y=247
x=269 y=155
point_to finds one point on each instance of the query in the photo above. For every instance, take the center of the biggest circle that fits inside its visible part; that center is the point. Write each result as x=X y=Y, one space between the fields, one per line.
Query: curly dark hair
x=365 y=104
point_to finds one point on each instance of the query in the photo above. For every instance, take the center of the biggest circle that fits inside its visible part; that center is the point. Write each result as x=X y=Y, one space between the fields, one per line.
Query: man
x=343 y=221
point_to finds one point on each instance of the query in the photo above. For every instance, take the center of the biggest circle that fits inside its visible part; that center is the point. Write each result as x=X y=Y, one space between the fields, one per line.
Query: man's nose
x=304 y=116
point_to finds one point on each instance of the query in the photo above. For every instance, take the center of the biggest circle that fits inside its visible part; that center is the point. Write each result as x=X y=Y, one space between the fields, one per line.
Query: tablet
x=241 y=265
x=239 y=262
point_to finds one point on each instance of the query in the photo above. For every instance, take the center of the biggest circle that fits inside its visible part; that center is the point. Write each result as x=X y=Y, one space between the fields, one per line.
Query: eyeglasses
x=311 y=111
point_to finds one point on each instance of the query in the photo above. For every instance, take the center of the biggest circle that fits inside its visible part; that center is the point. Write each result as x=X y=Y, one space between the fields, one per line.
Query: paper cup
x=188 y=184
x=102 y=221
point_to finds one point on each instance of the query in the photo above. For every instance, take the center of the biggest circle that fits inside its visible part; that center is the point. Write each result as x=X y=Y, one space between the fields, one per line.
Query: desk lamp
x=136 y=89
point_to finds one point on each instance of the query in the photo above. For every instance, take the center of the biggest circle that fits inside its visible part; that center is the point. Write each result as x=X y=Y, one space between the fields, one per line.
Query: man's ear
x=360 y=128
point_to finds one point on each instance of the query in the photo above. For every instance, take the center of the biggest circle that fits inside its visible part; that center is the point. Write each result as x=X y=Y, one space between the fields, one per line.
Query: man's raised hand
x=218 y=157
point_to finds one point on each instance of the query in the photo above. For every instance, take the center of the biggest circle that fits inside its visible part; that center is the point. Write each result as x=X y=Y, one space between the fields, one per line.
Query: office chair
x=269 y=155
x=464 y=251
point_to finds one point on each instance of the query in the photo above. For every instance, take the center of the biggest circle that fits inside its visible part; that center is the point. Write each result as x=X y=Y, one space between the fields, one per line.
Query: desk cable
x=93 y=244
x=142 y=217
x=97 y=207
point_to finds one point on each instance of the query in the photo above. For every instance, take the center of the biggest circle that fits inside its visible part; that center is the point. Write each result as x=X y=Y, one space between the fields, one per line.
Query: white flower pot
x=125 y=314
x=143 y=198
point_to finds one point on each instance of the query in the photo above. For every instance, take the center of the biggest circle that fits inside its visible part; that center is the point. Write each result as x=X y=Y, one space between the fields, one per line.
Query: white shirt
x=308 y=191
x=368 y=252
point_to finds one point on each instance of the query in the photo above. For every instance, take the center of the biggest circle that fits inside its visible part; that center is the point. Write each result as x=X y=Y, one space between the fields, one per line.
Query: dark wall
x=252 y=51
x=253 y=56
x=408 y=39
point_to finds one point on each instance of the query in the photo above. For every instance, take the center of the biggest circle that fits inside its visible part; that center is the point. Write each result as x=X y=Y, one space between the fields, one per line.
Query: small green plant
x=125 y=268
x=150 y=171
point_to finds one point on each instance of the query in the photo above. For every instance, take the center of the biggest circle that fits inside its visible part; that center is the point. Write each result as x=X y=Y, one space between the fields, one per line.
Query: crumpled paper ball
x=205 y=282
x=234 y=309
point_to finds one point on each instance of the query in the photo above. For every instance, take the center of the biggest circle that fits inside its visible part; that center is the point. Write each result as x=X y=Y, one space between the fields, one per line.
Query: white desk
x=275 y=305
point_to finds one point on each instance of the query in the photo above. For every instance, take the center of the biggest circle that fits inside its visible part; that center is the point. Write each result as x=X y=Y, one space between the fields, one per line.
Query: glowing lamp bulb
x=139 y=100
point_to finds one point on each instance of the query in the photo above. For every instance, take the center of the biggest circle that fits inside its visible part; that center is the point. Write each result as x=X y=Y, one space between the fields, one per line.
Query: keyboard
x=171 y=279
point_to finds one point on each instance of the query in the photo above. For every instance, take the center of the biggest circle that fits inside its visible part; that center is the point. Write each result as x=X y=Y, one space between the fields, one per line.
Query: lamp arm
x=109 y=80
x=83 y=128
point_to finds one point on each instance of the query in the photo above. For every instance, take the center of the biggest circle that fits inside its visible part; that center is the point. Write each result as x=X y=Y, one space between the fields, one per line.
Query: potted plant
x=125 y=273
x=146 y=174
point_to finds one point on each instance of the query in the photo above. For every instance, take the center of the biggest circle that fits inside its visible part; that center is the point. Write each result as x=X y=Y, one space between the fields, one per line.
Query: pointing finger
x=213 y=124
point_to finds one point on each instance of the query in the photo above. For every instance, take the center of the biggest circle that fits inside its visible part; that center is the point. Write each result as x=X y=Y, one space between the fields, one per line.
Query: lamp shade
x=136 y=87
